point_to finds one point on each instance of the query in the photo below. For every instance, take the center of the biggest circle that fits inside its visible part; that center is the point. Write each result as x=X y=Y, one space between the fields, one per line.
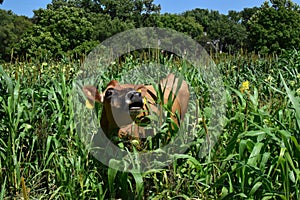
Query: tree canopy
x=74 y=27
x=12 y=28
x=274 y=27
x=65 y=30
x=180 y=23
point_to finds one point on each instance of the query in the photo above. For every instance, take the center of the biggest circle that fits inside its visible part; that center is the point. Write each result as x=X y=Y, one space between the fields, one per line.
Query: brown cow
x=124 y=104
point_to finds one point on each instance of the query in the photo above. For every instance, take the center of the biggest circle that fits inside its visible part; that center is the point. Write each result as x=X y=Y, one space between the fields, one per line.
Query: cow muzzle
x=135 y=102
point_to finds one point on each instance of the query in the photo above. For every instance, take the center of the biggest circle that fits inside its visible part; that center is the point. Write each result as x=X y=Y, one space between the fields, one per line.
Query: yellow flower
x=245 y=86
x=144 y=99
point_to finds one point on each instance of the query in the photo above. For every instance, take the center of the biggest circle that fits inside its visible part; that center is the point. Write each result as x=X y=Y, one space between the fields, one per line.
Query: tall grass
x=256 y=157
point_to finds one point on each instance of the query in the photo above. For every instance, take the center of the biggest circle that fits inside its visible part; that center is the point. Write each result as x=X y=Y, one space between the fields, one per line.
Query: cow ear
x=112 y=83
x=92 y=94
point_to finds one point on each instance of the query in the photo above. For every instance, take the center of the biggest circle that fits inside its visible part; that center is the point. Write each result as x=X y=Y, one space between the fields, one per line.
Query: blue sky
x=25 y=7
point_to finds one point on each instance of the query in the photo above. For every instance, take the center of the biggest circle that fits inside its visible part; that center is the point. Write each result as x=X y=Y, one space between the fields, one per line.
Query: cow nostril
x=134 y=99
x=133 y=94
x=136 y=94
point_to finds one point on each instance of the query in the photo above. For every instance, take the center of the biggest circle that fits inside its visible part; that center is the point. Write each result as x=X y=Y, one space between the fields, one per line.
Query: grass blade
x=293 y=100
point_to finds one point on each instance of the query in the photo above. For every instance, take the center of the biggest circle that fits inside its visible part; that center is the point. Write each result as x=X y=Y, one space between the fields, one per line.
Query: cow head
x=122 y=104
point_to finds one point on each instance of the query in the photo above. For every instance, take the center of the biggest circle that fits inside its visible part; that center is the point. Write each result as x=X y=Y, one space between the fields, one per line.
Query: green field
x=257 y=155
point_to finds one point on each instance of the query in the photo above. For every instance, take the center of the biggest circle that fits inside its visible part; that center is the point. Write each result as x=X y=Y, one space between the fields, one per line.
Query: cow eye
x=109 y=92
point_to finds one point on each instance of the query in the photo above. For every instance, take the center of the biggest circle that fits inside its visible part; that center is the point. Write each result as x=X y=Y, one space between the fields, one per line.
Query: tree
x=137 y=11
x=228 y=35
x=203 y=16
x=133 y=10
x=65 y=30
x=222 y=32
x=87 y=5
x=275 y=27
x=62 y=32
x=1 y=1
x=12 y=27
x=246 y=15
x=180 y=23
x=105 y=27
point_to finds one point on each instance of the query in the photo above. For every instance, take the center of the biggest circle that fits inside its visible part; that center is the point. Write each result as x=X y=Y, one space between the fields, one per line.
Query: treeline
x=71 y=28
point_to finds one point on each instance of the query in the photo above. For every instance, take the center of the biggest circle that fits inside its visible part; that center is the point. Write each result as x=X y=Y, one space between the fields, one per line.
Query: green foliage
x=231 y=35
x=66 y=31
x=257 y=155
x=275 y=27
x=12 y=28
x=180 y=23
x=35 y=135
x=223 y=33
x=71 y=28
x=106 y=27
x=204 y=16
x=132 y=10
x=137 y=11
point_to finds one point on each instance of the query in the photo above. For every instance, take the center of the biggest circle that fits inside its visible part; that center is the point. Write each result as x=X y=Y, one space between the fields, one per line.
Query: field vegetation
x=256 y=51
x=256 y=157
